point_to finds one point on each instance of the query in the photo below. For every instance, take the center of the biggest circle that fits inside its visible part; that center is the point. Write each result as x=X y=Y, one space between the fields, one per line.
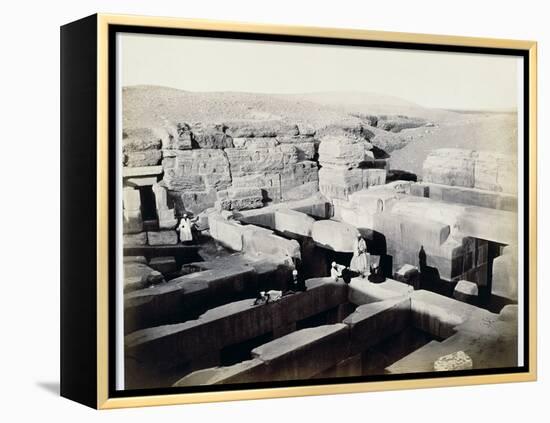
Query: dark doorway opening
x=148 y=203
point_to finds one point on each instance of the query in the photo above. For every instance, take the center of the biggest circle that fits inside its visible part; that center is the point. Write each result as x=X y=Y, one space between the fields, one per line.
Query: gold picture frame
x=93 y=33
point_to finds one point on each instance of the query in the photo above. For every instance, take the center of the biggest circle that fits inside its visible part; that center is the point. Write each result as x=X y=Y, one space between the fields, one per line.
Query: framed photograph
x=255 y=211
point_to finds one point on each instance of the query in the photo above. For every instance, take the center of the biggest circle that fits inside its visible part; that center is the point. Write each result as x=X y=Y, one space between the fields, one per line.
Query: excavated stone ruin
x=269 y=197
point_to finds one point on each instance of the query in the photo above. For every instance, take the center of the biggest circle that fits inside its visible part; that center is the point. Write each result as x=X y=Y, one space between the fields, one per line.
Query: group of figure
x=297 y=284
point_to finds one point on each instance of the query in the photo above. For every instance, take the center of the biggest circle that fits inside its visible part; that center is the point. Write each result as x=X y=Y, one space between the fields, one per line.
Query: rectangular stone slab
x=372 y=323
x=290 y=357
x=293 y=222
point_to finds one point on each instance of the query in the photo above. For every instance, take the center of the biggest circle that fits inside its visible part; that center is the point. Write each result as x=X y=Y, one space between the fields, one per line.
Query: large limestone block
x=142 y=139
x=419 y=189
x=372 y=323
x=139 y=275
x=472 y=196
x=264 y=217
x=226 y=232
x=337 y=236
x=339 y=183
x=180 y=138
x=166 y=345
x=342 y=152
x=268 y=182
x=259 y=241
x=373 y=177
x=132 y=222
x=244 y=372
x=439 y=315
x=256 y=128
x=299 y=180
x=167 y=219
x=316 y=206
x=164 y=264
x=505 y=275
x=240 y=199
x=142 y=158
x=361 y=218
x=362 y=291
x=255 y=143
x=489 y=224
x=210 y=136
x=131 y=199
x=134 y=240
x=197 y=170
x=193 y=201
x=245 y=161
x=496 y=172
x=135 y=259
x=290 y=357
x=389 y=226
x=293 y=222
x=354 y=131
x=416 y=232
x=372 y=200
x=299 y=191
x=161 y=196
x=165 y=237
x=450 y=166
x=466 y=291
x=306 y=150
x=408 y=274
x=141 y=172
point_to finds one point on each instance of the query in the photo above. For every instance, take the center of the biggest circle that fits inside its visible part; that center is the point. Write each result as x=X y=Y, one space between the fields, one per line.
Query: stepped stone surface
x=138 y=275
x=162 y=237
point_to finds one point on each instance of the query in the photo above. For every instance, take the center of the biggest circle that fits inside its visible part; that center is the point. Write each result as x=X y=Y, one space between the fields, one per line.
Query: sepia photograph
x=312 y=213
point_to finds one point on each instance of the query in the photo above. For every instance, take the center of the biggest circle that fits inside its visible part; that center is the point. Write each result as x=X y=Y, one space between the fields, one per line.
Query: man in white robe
x=361 y=258
x=185 y=229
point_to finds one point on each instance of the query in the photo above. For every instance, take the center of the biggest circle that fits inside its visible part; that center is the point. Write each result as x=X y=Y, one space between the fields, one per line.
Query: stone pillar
x=166 y=216
x=131 y=202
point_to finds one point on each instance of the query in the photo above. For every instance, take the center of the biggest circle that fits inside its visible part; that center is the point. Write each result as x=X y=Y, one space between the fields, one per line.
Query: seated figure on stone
x=261 y=299
x=274 y=295
x=336 y=270
x=376 y=274
x=360 y=260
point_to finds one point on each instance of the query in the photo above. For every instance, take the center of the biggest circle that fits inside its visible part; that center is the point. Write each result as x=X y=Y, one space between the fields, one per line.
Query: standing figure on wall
x=185 y=228
x=422 y=259
x=360 y=260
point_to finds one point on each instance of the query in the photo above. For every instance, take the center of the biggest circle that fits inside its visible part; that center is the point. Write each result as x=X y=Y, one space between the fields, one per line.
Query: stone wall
x=471 y=169
x=206 y=165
